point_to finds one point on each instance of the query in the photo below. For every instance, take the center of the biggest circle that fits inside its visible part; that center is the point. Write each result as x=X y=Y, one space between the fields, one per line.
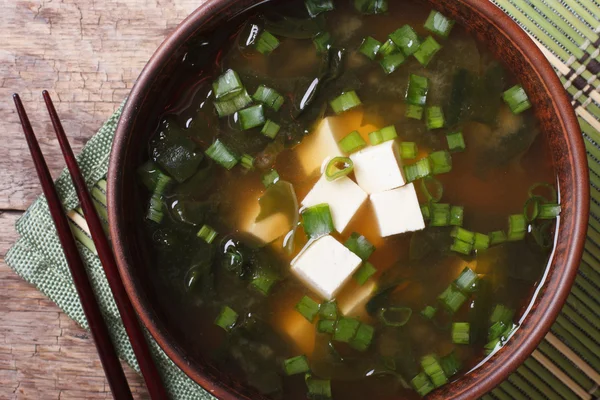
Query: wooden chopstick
x=107 y=259
x=106 y=351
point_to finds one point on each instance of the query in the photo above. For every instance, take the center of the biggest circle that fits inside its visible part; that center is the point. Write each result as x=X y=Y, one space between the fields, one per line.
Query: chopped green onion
x=427 y=50
x=482 y=242
x=345 y=329
x=456 y=142
x=207 y=233
x=460 y=332
x=450 y=364
x=362 y=275
x=264 y=281
x=383 y=135
x=344 y=102
x=467 y=280
x=219 y=153
x=395 y=316
x=308 y=308
x=270 y=178
x=517 y=227
x=318 y=389
x=501 y=322
x=463 y=234
x=270 y=129
x=352 y=142
x=426 y=211
x=233 y=105
x=370 y=47
x=429 y=312
x=296 y=365
x=227 y=85
x=390 y=63
x=438 y=23
x=531 y=209
x=359 y=245
x=269 y=97
x=422 y=384
x=452 y=298
x=266 y=43
x=322 y=42
x=226 y=318
x=406 y=39
x=461 y=247
x=441 y=162
x=516 y=99
x=388 y=48
x=414 y=112
x=371 y=6
x=440 y=214
x=251 y=117
x=456 y=215
x=418 y=170
x=329 y=310
x=549 y=211
x=553 y=196
x=497 y=237
x=316 y=7
x=418 y=87
x=155 y=209
x=501 y=313
x=326 y=326
x=431 y=365
x=434 y=117
x=317 y=221
x=338 y=167
x=408 y=150
x=432 y=189
x=363 y=337
x=247 y=161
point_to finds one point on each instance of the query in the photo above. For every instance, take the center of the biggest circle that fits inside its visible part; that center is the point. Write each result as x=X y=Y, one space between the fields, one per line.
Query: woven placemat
x=566 y=365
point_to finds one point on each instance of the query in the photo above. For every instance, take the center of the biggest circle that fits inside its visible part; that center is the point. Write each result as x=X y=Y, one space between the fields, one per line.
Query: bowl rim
x=579 y=174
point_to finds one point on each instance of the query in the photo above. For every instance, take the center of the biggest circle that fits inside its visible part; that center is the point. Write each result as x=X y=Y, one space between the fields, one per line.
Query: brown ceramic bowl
x=489 y=25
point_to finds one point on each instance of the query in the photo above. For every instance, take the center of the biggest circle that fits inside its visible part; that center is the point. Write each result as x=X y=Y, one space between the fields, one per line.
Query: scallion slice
x=434 y=117
x=441 y=162
x=329 y=310
x=264 y=281
x=414 y=112
x=269 y=97
x=296 y=365
x=359 y=245
x=460 y=333
x=322 y=42
x=482 y=242
x=219 y=153
x=383 y=135
x=516 y=99
x=426 y=211
x=156 y=206
x=344 y=102
x=422 y=384
x=226 y=318
x=439 y=24
x=251 y=117
x=247 y=161
x=440 y=214
x=388 y=48
x=550 y=197
x=406 y=39
x=363 y=337
x=517 y=227
x=431 y=365
x=463 y=234
x=408 y=150
x=318 y=389
x=429 y=312
x=308 y=308
x=362 y=275
x=270 y=129
x=352 y=142
x=531 y=209
x=418 y=170
x=456 y=215
x=395 y=316
x=467 y=280
x=450 y=364
x=266 y=43
x=207 y=233
x=456 y=142
x=418 y=87
x=392 y=62
x=338 y=167
x=316 y=7
x=326 y=326
x=371 y=6
x=345 y=329
x=427 y=50
x=432 y=189
x=497 y=237
x=227 y=85
x=317 y=221
x=452 y=298
x=370 y=47
x=233 y=105
x=461 y=247
x=549 y=211
x=270 y=178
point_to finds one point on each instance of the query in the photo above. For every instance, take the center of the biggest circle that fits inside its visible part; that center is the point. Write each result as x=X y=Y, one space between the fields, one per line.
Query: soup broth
x=230 y=237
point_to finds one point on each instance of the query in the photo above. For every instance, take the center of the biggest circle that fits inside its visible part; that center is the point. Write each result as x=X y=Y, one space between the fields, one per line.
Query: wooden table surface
x=87 y=53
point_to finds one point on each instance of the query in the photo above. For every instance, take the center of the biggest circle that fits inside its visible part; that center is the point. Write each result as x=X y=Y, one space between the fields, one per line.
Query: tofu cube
x=343 y=196
x=317 y=146
x=378 y=168
x=398 y=211
x=268 y=229
x=324 y=265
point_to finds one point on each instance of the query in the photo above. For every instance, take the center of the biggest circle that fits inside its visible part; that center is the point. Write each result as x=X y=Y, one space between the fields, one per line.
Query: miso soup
x=348 y=200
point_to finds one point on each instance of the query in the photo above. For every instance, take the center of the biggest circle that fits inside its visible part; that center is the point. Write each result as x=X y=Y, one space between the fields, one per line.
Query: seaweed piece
x=296 y=28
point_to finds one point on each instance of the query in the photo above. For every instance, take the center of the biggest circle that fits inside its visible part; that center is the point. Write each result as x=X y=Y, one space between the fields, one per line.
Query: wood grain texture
x=87 y=53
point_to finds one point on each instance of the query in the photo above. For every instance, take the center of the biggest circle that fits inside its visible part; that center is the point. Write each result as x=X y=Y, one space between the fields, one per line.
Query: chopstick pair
x=108 y=357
